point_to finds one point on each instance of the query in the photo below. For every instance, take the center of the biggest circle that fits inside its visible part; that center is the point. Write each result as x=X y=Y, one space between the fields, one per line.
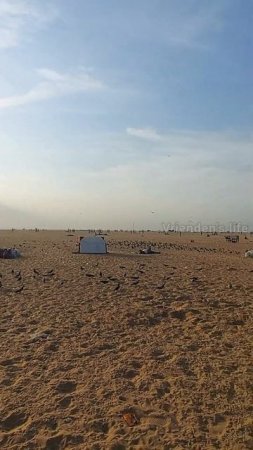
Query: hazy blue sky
x=111 y=109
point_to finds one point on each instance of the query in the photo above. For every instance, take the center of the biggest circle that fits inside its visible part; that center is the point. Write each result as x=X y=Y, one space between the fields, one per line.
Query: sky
x=120 y=114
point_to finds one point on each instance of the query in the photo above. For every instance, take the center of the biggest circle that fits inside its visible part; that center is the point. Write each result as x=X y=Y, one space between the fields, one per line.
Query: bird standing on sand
x=117 y=287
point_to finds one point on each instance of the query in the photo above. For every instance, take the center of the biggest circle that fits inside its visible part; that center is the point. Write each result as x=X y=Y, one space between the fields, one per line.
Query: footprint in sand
x=6 y=382
x=158 y=354
x=219 y=425
x=117 y=446
x=194 y=347
x=178 y=314
x=136 y=364
x=99 y=426
x=62 y=441
x=9 y=362
x=51 y=423
x=56 y=443
x=66 y=387
x=163 y=389
x=13 y=421
x=127 y=373
x=65 y=402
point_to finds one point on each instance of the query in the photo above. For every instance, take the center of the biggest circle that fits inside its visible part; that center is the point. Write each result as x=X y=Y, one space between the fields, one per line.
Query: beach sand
x=126 y=351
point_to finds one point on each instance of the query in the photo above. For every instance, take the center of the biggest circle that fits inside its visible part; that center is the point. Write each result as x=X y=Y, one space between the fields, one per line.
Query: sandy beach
x=126 y=351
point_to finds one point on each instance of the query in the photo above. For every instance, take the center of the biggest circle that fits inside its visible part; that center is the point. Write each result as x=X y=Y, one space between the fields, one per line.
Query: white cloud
x=225 y=149
x=21 y=17
x=149 y=134
x=54 y=84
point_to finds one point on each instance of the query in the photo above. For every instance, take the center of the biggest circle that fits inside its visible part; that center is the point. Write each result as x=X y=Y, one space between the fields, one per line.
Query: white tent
x=93 y=244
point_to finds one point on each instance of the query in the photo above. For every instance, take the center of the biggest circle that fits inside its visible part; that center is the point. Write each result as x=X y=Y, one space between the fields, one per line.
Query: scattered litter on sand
x=148 y=251
x=130 y=418
x=9 y=253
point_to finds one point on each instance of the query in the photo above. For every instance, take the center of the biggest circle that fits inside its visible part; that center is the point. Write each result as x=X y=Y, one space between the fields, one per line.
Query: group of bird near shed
x=89 y=245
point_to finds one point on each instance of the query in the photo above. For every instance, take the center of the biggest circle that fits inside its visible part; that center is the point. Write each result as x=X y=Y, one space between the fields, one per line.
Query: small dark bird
x=36 y=271
x=194 y=279
x=100 y=274
x=117 y=287
x=19 y=289
x=90 y=275
x=17 y=274
x=49 y=272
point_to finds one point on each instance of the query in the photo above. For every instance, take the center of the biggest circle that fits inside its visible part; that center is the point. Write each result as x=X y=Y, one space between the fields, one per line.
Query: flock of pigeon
x=17 y=283
x=17 y=279
x=128 y=244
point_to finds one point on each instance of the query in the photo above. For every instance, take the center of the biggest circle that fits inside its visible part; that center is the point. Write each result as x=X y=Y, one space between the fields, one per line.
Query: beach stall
x=92 y=244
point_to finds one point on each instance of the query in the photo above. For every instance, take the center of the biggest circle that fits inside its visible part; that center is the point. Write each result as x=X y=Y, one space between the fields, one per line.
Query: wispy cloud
x=204 y=150
x=149 y=134
x=54 y=84
x=19 y=17
x=208 y=178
